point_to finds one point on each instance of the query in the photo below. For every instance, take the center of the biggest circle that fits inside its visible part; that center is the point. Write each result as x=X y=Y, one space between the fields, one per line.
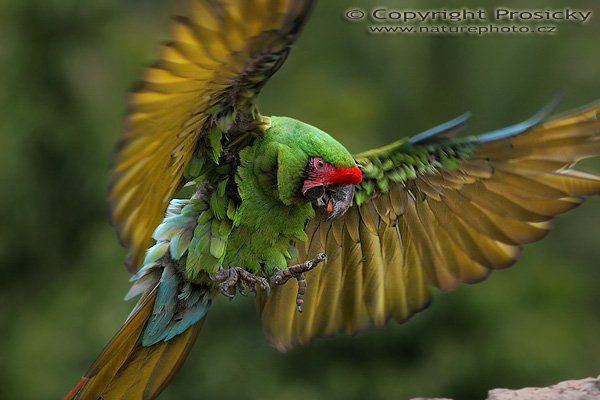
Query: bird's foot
x=297 y=272
x=239 y=279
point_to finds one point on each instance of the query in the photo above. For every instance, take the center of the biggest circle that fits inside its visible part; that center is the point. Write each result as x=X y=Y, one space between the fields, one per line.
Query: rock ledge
x=583 y=389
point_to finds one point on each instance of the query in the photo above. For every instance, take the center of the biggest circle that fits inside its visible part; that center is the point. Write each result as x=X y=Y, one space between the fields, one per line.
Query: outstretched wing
x=434 y=211
x=198 y=97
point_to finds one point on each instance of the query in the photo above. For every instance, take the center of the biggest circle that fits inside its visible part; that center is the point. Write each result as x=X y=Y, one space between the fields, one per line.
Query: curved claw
x=264 y=285
x=226 y=290
x=242 y=287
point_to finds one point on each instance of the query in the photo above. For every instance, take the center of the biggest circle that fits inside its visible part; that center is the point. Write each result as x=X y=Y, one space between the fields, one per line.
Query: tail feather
x=148 y=370
x=127 y=370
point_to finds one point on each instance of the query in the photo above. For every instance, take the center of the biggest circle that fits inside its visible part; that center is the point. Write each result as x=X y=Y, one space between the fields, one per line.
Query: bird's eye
x=320 y=164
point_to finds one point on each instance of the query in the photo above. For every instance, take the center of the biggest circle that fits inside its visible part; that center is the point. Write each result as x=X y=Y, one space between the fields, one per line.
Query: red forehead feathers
x=330 y=175
x=346 y=176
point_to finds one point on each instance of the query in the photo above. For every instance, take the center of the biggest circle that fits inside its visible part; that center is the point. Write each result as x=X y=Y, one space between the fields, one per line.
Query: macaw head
x=329 y=186
x=313 y=167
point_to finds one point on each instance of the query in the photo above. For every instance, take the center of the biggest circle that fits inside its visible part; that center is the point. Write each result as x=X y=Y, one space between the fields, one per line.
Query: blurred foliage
x=65 y=67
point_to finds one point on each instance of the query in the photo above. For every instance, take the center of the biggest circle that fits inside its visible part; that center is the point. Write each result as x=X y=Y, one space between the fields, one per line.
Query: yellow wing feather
x=436 y=230
x=219 y=58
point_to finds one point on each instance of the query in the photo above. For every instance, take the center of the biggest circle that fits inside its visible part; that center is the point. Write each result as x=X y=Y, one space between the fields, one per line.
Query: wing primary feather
x=447 y=129
x=521 y=127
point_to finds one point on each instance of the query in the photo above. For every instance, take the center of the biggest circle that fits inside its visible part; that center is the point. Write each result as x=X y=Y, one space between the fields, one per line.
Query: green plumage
x=403 y=161
x=254 y=213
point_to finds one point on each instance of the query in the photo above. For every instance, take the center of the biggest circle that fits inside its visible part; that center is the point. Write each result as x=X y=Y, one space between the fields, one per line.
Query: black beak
x=341 y=197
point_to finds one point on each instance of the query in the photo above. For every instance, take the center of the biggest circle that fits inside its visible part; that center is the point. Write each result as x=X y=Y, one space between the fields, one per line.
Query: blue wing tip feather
x=521 y=127
x=456 y=124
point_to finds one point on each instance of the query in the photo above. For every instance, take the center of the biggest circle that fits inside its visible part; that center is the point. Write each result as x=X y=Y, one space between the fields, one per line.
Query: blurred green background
x=65 y=68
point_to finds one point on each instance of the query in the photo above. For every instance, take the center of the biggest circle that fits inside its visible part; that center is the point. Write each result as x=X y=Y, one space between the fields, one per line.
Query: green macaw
x=274 y=197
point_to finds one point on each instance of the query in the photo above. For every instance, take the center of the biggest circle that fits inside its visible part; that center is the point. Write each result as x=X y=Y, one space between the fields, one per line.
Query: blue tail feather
x=177 y=307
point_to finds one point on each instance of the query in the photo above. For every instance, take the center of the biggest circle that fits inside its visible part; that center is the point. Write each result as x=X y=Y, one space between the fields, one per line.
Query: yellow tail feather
x=127 y=370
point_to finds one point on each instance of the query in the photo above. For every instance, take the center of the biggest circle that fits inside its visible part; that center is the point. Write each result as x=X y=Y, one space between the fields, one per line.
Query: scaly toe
x=235 y=280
